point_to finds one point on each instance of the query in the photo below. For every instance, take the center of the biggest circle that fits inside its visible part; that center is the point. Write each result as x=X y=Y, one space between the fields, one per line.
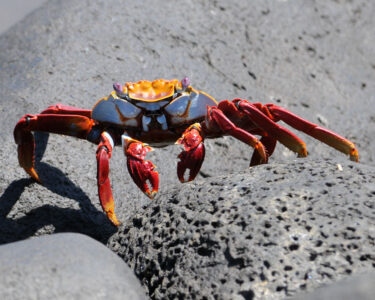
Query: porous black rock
x=269 y=232
x=65 y=266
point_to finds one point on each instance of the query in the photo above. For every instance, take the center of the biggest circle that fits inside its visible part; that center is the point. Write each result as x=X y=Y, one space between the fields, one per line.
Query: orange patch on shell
x=152 y=91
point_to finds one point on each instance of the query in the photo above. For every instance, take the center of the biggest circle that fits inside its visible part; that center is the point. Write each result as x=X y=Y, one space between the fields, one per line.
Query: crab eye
x=185 y=82
x=118 y=88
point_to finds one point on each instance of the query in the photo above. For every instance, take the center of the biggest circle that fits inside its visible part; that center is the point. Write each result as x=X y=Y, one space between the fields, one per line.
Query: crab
x=160 y=113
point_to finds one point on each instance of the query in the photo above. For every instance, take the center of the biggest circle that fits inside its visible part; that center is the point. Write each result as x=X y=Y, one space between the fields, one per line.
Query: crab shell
x=161 y=108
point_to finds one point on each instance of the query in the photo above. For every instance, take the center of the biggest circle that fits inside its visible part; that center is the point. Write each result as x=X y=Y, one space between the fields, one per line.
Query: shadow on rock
x=88 y=220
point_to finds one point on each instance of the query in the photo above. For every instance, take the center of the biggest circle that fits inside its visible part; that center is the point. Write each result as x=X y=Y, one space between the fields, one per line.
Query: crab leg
x=73 y=125
x=66 y=110
x=322 y=134
x=216 y=119
x=269 y=143
x=142 y=171
x=276 y=131
x=193 y=156
x=103 y=154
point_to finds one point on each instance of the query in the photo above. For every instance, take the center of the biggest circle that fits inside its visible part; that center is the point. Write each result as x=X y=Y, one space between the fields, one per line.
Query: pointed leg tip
x=354 y=155
x=33 y=174
x=259 y=147
x=116 y=223
x=112 y=217
x=151 y=194
x=302 y=152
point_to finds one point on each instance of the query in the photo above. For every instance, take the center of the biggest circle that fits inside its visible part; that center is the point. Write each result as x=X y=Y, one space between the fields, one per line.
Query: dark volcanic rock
x=315 y=58
x=266 y=233
x=64 y=266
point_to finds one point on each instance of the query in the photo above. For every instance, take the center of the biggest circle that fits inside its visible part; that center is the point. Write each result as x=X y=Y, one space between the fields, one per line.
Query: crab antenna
x=185 y=82
x=118 y=88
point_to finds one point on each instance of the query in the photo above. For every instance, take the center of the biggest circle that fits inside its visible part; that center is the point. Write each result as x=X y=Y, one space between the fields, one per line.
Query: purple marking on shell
x=185 y=82
x=118 y=87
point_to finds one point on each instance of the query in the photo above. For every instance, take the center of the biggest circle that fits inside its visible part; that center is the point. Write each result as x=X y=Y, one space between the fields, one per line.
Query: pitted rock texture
x=65 y=266
x=266 y=233
x=315 y=58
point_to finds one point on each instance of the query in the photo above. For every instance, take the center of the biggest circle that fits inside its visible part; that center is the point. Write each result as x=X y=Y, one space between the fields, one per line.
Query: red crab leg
x=103 y=154
x=216 y=118
x=193 y=156
x=66 y=110
x=322 y=134
x=73 y=125
x=276 y=131
x=142 y=171
x=269 y=143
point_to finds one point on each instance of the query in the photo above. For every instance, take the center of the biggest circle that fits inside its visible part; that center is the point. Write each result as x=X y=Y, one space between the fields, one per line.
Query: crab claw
x=142 y=171
x=193 y=156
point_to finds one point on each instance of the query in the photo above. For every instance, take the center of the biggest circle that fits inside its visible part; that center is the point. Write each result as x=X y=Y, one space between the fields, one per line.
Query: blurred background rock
x=12 y=11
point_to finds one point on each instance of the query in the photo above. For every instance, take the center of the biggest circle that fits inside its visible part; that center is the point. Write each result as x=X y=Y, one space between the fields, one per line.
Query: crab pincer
x=193 y=156
x=141 y=171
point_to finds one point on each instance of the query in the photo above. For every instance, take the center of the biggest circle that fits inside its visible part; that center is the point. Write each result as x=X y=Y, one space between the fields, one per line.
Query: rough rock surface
x=287 y=52
x=315 y=58
x=64 y=266
x=265 y=233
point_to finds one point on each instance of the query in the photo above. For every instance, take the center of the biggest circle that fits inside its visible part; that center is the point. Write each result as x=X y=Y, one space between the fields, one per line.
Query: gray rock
x=13 y=12
x=287 y=52
x=266 y=233
x=314 y=58
x=64 y=266
x=360 y=287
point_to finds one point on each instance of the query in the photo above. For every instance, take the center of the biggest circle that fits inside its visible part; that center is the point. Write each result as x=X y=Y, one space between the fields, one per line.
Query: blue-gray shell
x=116 y=111
x=185 y=109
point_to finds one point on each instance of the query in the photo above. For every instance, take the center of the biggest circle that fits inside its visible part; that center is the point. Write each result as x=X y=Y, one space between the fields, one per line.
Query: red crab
x=159 y=113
